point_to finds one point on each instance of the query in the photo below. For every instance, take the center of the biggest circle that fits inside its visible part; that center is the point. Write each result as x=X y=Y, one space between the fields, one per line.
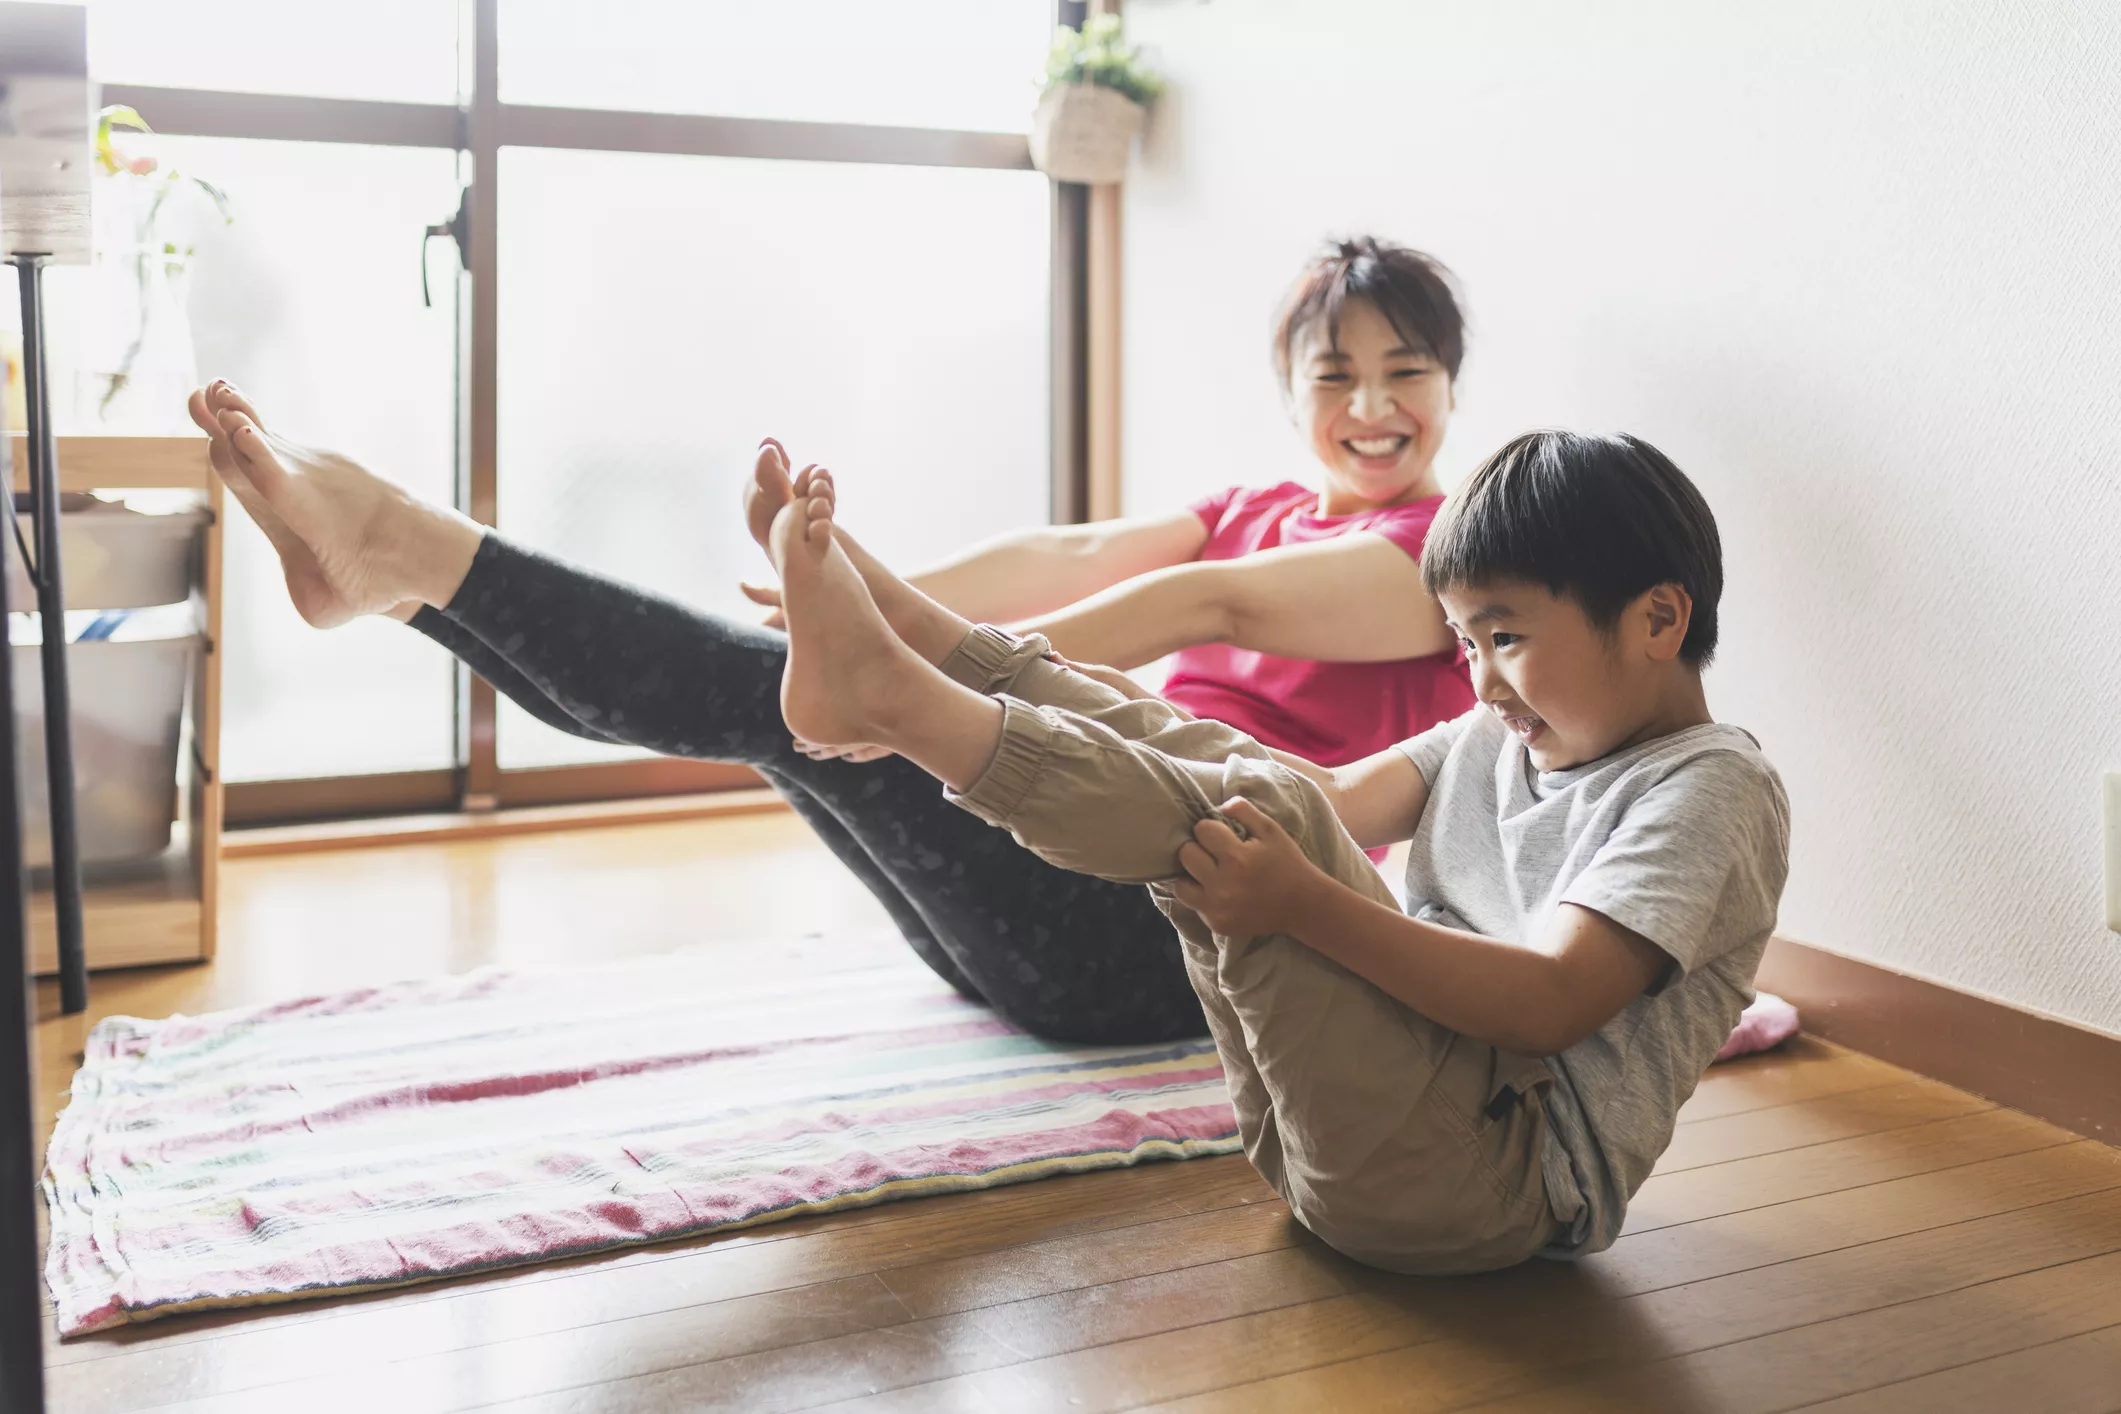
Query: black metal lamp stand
x=21 y=1322
x=45 y=575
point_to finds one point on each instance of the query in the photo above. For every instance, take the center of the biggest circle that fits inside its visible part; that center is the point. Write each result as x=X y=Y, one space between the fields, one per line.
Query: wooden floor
x=1826 y=1232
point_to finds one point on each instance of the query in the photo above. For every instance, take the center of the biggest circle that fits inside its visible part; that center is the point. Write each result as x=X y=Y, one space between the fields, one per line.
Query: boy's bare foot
x=769 y=489
x=844 y=662
x=349 y=542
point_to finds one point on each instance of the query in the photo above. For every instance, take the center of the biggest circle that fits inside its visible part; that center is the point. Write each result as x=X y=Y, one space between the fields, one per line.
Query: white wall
x=1856 y=266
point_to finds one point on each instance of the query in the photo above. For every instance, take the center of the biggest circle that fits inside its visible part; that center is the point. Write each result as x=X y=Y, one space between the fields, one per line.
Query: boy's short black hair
x=1411 y=290
x=1598 y=520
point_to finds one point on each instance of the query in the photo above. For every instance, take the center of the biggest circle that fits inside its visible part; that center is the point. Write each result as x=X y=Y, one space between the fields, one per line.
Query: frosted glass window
x=932 y=63
x=659 y=315
x=404 y=50
x=310 y=302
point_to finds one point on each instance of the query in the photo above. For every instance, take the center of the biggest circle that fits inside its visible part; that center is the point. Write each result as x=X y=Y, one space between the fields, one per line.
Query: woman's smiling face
x=1373 y=409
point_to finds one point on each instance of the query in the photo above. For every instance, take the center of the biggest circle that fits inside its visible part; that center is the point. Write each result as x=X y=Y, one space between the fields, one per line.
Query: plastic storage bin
x=128 y=694
x=114 y=557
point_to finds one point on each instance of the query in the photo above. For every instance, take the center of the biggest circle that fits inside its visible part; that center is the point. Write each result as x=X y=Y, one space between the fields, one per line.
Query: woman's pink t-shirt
x=1331 y=713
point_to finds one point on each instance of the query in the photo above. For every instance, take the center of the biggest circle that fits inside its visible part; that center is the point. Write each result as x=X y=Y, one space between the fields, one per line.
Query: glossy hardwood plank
x=602 y=1366
x=1669 y=1256
x=1536 y=1349
x=1820 y=1121
x=1832 y=1358
x=1547 y=1298
x=1667 y=1199
x=1506 y=1330
x=2079 y=1374
x=552 y=1376
x=1800 y=1069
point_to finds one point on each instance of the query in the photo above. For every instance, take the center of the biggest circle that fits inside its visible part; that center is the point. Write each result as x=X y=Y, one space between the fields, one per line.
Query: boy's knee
x=1296 y=803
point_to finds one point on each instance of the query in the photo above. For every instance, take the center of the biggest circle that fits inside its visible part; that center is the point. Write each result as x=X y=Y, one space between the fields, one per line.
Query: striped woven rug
x=404 y=1133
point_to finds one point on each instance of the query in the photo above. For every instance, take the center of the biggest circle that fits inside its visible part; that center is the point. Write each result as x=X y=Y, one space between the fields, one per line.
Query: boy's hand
x=1244 y=888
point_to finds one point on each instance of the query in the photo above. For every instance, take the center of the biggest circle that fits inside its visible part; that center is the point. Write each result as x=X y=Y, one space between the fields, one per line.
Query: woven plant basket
x=1081 y=133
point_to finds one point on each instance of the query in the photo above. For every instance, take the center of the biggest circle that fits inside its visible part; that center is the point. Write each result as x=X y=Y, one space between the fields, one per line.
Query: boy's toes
x=769 y=490
x=816 y=484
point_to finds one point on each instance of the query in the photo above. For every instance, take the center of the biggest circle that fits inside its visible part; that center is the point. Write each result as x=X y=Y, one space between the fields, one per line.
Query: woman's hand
x=1246 y=888
x=857 y=752
x=770 y=598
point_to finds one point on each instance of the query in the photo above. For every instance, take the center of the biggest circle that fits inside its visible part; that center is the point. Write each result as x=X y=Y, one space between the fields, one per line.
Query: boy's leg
x=1381 y=1128
x=1398 y=1141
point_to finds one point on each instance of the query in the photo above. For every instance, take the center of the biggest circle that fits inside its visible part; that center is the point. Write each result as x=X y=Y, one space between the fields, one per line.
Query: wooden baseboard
x=477 y=825
x=2063 y=1073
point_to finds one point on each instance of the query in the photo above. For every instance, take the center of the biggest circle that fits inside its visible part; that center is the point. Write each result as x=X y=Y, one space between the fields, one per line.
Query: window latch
x=458 y=229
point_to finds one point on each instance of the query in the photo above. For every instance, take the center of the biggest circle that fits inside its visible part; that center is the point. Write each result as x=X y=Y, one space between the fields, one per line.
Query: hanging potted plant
x=1095 y=95
x=138 y=363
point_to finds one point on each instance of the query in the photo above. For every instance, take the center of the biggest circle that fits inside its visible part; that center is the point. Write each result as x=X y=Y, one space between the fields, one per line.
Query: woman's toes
x=202 y=412
x=224 y=395
x=254 y=454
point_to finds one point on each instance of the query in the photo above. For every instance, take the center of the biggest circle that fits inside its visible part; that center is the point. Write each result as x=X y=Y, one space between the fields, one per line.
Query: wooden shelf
x=131 y=917
x=166 y=909
x=124 y=464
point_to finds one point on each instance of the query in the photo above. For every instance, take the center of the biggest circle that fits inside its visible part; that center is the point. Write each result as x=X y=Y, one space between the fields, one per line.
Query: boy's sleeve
x=1429 y=750
x=1697 y=862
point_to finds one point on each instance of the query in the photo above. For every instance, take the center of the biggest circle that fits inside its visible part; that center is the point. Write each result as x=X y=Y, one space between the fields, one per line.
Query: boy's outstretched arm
x=1534 y=1000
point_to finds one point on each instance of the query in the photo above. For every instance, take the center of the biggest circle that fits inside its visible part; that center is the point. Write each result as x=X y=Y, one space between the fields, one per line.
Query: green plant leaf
x=1097 y=54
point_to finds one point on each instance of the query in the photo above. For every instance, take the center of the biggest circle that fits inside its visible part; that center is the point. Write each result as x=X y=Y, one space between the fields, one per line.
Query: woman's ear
x=1452 y=406
x=1666 y=610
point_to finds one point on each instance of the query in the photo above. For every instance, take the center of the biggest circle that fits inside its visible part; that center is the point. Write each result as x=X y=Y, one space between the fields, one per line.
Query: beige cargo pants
x=1398 y=1141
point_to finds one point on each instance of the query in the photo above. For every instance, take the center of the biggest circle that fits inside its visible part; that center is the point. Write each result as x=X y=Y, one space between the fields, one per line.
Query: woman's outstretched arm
x=1353 y=599
x=1037 y=571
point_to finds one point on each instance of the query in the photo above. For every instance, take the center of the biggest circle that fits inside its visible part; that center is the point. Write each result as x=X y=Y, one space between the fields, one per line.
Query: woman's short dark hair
x=1598 y=520
x=1411 y=290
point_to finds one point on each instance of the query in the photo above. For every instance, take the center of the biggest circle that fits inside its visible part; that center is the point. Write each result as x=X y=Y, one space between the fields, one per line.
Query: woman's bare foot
x=350 y=543
x=843 y=659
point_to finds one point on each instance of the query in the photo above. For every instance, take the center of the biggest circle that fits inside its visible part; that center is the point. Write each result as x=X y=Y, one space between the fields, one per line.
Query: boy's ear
x=1665 y=611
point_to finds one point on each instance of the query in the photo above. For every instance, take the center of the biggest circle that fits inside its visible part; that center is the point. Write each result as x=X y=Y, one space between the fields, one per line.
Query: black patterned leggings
x=1060 y=954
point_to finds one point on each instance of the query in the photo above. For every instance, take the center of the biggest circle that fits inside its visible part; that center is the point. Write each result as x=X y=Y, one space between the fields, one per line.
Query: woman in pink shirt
x=1296 y=615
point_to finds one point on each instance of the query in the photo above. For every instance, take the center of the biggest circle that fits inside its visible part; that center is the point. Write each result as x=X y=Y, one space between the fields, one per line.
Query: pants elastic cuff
x=990 y=657
x=1018 y=761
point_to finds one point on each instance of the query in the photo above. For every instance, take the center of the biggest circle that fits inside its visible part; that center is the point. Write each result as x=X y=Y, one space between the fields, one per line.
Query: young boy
x=1594 y=872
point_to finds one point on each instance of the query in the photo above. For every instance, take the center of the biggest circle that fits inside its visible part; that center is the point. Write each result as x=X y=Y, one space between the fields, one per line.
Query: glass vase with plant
x=137 y=362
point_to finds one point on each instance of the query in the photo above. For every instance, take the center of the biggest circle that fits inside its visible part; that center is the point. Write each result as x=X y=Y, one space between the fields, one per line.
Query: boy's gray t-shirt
x=1685 y=840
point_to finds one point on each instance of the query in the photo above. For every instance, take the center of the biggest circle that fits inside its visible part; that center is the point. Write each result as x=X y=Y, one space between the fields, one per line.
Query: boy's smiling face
x=1568 y=690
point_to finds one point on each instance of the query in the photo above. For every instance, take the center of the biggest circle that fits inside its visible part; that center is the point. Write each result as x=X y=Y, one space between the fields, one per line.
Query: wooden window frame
x=480 y=127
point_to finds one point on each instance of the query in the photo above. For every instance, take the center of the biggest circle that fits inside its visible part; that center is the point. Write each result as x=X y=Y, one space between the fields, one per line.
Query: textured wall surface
x=1856 y=266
